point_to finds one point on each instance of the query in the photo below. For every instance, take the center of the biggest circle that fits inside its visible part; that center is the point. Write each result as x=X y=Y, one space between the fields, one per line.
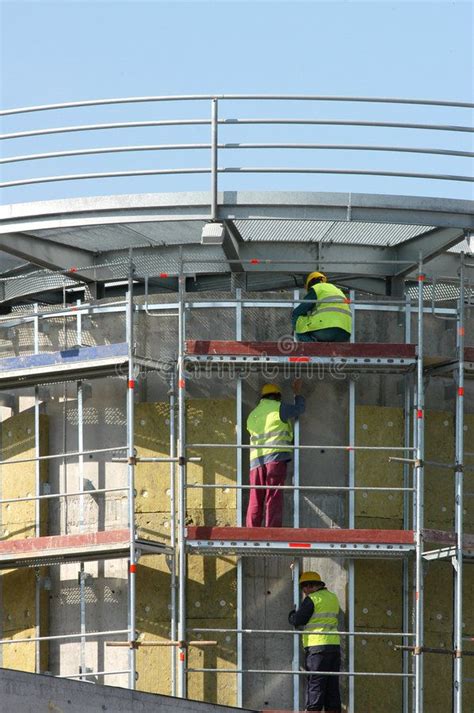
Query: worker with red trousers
x=271 y=432
x=318 y=613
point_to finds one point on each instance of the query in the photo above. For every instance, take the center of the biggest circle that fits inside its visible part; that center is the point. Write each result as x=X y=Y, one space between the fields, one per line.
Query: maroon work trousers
x=266 y=504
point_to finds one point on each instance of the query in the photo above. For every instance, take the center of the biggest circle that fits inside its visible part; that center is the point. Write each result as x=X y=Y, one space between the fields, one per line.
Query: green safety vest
x=326 y=610
x=267 y=429
x=330 y=310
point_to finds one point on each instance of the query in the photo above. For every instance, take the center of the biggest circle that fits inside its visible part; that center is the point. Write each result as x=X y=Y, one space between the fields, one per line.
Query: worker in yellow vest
x=318 y=613
x=324 y=315
x=271 y=432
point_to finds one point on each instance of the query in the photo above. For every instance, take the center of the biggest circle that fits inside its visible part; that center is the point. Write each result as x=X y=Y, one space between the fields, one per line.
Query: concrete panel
x=30 y=693
x=17 y=587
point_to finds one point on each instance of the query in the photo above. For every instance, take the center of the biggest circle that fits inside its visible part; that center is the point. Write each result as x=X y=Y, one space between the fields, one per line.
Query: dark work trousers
x=264 y=504
x=322 y=693
x=331 y=334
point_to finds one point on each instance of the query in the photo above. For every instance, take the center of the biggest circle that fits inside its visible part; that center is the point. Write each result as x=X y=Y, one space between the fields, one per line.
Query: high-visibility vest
x=330 y=310
x=324 y=618
x=267 y=429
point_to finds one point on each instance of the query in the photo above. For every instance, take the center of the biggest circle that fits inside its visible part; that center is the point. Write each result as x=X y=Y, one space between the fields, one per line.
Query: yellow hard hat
x=315 y=276
x=270 y=389
x=310 y=577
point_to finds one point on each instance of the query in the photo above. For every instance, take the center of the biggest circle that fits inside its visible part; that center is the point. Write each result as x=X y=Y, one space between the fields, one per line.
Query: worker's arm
x=304 y=307
x=288 y=411
x=301 y=616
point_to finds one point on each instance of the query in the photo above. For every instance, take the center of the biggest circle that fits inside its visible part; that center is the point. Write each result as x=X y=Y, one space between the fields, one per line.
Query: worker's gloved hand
x=291 y=616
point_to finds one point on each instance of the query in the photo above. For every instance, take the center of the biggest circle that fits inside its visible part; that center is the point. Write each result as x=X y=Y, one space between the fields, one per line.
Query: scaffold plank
x=369 y=357
x=441 y=537
x=334 y=542
x=66 y=365
x=362 y=350
x=57 y=549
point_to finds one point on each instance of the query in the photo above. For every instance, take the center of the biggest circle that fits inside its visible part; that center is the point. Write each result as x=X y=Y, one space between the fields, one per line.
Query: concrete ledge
x=35 y=693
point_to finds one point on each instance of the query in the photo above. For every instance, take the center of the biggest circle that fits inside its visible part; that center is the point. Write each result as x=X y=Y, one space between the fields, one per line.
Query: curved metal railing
x=217 y=164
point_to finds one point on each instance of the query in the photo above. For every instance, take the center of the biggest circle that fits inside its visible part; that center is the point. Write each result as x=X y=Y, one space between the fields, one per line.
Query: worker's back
x=324 y=618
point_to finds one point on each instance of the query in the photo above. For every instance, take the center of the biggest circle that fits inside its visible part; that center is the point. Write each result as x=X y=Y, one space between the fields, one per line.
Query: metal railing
x=218 y=149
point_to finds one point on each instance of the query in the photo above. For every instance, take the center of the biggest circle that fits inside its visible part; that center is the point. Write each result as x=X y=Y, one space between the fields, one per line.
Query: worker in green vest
x=271 y=432
x=318 y=613
x=324 y=315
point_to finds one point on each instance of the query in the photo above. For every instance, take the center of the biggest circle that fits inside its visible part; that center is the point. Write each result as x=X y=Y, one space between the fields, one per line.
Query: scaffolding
x=408 y=544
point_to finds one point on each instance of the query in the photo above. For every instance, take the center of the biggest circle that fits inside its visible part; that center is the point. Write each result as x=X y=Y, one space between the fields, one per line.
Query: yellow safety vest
x=326 y=610
x=330 y=310
x=267 y=429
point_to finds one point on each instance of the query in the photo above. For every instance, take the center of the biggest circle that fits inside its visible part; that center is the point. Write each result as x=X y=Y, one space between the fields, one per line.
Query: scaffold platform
x=302 y=541
x=443 y=366
x=61 y=549
x=73 y=364
x=366 y=356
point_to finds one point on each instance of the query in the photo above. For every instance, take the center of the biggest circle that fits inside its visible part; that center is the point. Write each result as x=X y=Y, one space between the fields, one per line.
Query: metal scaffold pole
x=419 y=511
x=131 y=478
x=239 y=474
x=296 y=567
x=173 y=630
x=458 y=502
x=407 y=410
x=181 y=539
x=37 y=502
x=80 y=464
x=351 y=565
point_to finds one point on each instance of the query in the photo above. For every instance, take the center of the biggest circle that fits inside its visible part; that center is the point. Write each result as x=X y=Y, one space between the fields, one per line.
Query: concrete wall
x=33 y=693
x=267 y=580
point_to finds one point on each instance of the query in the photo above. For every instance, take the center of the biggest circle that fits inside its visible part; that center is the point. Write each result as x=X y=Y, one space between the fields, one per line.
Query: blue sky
x=71 y=51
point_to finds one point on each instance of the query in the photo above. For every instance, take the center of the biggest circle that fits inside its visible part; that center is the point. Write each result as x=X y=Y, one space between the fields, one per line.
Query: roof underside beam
x=427 y=246
x=48 y=254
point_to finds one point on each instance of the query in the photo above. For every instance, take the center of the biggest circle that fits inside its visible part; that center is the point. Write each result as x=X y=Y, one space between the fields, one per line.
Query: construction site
x=136 y=333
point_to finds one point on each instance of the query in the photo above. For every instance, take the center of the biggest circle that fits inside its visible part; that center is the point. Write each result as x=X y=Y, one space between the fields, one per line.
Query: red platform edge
x=441 y=537
x=288 y=534
x=295 y=349
x=54 y=542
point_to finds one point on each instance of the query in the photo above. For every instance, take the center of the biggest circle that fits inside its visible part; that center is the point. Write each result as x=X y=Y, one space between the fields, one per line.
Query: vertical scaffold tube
x=80 y=464
x=419 y=488
x=239 y=427
x=458 y=501
x=37 y=502
x=131 y=479
x=214 y=149
x=296 y=567
x=172 y=405
x=406 y=512
x=182 y=650
x=351 y=565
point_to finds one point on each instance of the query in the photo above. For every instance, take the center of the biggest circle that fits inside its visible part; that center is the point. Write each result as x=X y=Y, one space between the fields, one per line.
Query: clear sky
x=72 y=50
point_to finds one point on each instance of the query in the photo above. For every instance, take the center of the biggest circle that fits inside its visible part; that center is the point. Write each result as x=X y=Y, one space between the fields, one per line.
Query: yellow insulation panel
x=211 y=581
x=18 y=522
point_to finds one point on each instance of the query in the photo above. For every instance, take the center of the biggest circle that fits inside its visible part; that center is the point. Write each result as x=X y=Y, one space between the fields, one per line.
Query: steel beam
x=48 y=254
x=429 y=245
